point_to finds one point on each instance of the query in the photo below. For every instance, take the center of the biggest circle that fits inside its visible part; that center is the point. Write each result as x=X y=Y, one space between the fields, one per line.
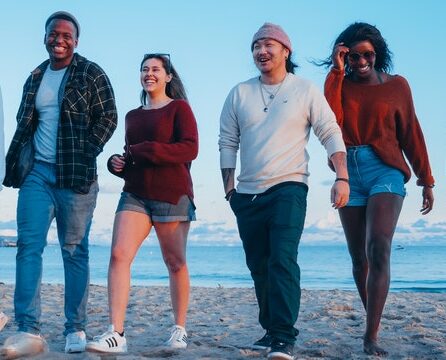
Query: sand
x=222 y=323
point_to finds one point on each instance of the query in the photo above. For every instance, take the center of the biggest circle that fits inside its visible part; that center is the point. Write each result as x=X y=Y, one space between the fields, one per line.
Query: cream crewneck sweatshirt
x=273 y=143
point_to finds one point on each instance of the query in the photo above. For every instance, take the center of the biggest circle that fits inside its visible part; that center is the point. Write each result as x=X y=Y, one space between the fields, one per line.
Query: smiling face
x=361 y=60
x=270 y=56
x=154 y=77
x=60 y=42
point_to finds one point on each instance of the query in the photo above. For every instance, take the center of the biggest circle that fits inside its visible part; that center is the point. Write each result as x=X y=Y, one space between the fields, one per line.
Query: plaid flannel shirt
x=88 y=118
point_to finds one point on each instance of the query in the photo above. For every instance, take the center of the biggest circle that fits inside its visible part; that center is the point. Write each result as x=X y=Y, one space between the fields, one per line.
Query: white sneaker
x=178 y=338
x=108 y=342
x=3 y=320
x=23 y=344
x=75 y=342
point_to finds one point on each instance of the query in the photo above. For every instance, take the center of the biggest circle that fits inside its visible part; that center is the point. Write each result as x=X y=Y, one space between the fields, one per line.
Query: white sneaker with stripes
x=178 y=338
x=108 y=342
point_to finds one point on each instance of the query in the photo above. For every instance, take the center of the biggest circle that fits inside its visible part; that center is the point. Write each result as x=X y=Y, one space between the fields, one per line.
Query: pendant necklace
x=271 y=96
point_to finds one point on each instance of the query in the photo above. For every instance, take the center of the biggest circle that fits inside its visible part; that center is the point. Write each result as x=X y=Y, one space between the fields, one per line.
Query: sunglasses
x=367 y=55
x=166 y=58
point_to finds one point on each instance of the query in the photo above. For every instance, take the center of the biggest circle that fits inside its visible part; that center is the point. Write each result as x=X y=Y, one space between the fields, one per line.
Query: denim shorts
x=158 y=211
x=370 y=176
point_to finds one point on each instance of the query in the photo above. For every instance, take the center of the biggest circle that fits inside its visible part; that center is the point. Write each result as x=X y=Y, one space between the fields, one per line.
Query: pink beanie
x=272 y=31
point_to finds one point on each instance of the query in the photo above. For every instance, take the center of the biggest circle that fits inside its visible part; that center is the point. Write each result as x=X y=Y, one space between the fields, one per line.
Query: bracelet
x=343 y=179
x=228 y=195
x=430 y=186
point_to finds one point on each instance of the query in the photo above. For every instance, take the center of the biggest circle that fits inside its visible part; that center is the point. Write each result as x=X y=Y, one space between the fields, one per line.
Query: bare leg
x=172 y=237
x=353 y=221
x=382 y=215
x=129 y=231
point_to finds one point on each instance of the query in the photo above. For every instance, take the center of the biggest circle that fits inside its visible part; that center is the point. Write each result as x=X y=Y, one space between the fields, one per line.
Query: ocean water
x=414 y=267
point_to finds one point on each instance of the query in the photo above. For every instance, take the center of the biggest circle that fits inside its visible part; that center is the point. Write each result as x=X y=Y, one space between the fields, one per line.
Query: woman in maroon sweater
x=376 y=114
x=161 y=141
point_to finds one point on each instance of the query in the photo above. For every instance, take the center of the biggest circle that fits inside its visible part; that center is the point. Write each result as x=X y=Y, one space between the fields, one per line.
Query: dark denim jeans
x=39 y=203
x=270 y=226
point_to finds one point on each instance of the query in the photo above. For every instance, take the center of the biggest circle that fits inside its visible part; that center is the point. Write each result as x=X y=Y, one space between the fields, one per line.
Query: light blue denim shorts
x=369 y=176
x=158 y=211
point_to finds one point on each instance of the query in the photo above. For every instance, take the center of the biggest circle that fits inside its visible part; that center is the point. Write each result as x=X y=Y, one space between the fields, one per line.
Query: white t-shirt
x=48 y=108
x=273 y=143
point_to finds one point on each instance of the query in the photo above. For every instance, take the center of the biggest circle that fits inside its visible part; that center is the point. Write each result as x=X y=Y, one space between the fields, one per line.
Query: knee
x=359 y=263
x=378 y=256
x=174 y=263
x=119 y=256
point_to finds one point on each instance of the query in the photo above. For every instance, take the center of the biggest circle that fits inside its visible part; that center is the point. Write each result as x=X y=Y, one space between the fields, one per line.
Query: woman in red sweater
x=161 y=141
x=376 y=114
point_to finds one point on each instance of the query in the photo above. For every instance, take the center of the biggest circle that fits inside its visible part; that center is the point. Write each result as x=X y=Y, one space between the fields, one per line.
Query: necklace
x=272 y=95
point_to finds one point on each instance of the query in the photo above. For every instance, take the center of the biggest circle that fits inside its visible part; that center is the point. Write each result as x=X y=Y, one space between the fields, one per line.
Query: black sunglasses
x=166 y=57
x=367 y=55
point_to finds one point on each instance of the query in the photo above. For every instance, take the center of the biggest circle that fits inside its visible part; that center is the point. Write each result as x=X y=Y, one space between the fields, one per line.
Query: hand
x=428 y=200
x=118 y=163
x=340 y=192
x=338 y=55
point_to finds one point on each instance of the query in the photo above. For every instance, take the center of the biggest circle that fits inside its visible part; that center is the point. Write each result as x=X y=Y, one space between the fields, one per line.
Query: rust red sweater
x=160 y=146
x=382 y=116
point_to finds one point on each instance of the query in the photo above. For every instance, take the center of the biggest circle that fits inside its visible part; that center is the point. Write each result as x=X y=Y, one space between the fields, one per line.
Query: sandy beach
x=222 y=324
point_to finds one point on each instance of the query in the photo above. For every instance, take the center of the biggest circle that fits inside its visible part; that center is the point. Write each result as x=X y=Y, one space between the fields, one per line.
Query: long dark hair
x=360 y=31
x=174 y=88
x=290 y=65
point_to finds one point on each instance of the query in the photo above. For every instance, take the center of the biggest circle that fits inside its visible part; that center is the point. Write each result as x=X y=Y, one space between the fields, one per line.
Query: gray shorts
x=158 y=211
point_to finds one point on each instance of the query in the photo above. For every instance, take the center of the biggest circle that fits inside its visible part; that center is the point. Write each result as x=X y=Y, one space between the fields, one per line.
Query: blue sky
x=209 y=43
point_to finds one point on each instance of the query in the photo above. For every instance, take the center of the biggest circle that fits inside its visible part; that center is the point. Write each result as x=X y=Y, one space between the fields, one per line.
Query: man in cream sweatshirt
x=269 y=118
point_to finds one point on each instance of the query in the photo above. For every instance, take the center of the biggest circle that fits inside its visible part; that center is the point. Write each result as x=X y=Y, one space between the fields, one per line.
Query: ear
x=169 y=78
x=287 y=52
x=75 y=43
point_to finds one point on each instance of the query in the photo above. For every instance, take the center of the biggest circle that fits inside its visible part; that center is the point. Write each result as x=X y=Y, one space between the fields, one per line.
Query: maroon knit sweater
x=382 y=116
x=160 y=145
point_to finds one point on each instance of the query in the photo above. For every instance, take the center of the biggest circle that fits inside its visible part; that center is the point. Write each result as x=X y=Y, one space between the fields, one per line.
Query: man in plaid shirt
x=68 y=111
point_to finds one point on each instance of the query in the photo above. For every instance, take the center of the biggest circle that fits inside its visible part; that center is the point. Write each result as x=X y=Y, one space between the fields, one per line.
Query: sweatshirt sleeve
x=333 y=92
x=324 y=123
x=183 y=150
x=229 y=138
x=411 y=139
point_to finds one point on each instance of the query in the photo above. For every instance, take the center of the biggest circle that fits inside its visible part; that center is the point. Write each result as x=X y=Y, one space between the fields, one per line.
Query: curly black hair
x=360 y=31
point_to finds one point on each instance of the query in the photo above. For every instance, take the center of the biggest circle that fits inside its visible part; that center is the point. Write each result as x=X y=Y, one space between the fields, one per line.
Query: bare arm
x=340 y=190
x=228 y=179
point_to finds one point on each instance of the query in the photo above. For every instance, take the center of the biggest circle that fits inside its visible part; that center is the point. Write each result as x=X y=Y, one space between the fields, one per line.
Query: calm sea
x=414 y=267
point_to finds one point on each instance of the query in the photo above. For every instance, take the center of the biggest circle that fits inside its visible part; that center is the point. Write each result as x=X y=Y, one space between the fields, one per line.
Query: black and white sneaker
x=108 y=342
x=263 y=343
x=281 y=350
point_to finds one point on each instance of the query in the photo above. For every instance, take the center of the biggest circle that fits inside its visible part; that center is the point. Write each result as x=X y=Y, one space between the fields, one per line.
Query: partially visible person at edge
x=269 y=117
x=376 y=114
x=68 y=110
x=3 y=317
x=161 y=142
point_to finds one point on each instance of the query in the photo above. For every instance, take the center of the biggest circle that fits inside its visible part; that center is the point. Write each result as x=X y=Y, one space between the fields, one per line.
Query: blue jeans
x=39 y=203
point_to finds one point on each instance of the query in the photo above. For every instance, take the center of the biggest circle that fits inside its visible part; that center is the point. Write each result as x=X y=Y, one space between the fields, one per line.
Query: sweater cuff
x=337 y=72
x=228 y=159
x=335 y=145
x=428 y=181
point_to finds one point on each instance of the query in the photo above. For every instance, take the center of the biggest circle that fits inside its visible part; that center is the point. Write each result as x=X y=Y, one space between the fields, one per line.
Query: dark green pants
x=270 y=226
